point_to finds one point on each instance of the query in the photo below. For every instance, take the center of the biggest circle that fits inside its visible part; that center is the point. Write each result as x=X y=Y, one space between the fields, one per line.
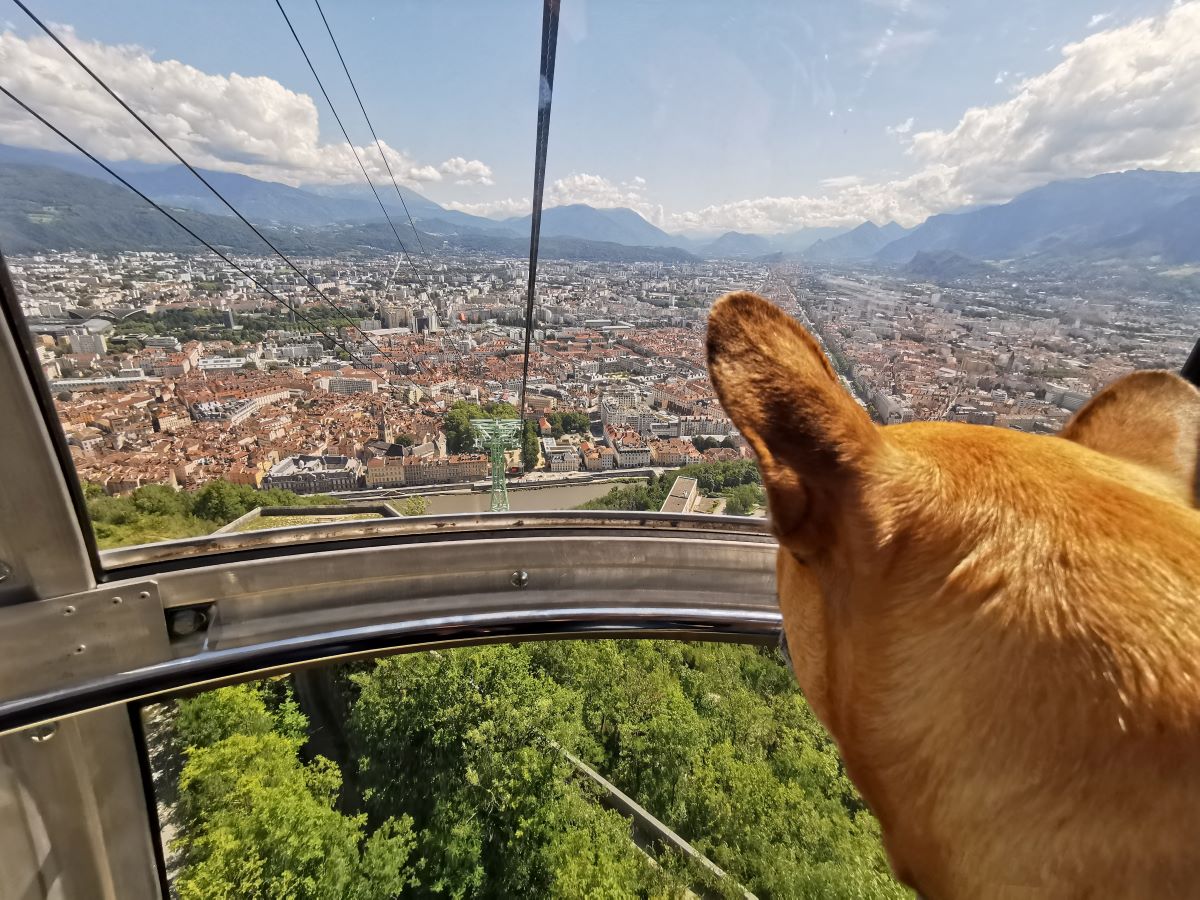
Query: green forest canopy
x=452 y=782
x=157 y=512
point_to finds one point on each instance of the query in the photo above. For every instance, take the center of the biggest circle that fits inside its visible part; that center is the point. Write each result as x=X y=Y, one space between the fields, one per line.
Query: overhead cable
x=170 y=149
x=378 y=143
x=545 y=95
x=336 y=342
x=346 y=135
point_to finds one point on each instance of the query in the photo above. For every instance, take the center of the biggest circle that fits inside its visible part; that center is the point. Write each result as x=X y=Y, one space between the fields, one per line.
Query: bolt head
x=520 y=579
x=39 y=734
x=5 y=571
x=182 y=622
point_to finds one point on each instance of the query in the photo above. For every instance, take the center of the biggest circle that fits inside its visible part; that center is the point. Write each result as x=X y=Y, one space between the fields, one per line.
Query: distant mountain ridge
x=51 y=209
x=56 y=200
x=1084 y=217
x=618 y=225
x=735 y=245
x=945 y=265
x=862 y=242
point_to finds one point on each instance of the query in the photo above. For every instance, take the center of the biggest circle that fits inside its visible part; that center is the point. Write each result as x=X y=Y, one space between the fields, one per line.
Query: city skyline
x=821 y=118
x=171 y=369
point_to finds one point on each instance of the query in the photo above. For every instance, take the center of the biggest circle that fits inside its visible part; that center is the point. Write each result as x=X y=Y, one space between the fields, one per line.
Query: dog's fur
x=1001 y=631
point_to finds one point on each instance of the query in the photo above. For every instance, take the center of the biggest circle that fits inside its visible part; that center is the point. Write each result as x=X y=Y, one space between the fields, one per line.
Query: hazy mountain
x=1059 y=219
x=735 y=245
x=69 y=162
x=617 y=225
x=259 y=201
x=56 y=200
x=1171 y=235
x=945 y=265
x=51 y=209
x=861 y=243
x=801 y=240
x=47 y=208
x=421 y=208
x=262 y=202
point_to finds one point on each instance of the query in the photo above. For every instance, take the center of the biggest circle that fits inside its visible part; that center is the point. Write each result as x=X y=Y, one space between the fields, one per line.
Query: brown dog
x=1001 y=631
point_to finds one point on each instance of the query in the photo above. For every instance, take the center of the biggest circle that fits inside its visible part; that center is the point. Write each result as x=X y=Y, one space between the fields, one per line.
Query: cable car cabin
x=273 y=624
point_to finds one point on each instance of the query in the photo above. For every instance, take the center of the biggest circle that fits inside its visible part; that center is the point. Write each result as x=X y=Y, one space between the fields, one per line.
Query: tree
x=530 y=447
x=220 y=501
x=158 y=499
x=212 y=716
x=457 y=422
x=464 y=742
x=257 y=822
x=743 y=499
x=589 y=853
x=462 y=773
x=568 y=423
x=457 y=426
x=262 y=824
x=412 y=506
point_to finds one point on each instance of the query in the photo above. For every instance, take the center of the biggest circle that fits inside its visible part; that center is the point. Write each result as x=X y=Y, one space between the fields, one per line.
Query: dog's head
x=977 y=615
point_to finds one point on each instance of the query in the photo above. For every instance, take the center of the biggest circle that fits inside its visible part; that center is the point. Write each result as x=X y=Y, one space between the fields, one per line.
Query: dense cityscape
x=175 y=370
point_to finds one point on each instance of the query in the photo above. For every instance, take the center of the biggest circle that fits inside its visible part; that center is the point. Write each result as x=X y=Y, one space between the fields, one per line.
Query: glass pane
x=914 y=181
x=918 y=182
x=197 y=390
x=565 y=769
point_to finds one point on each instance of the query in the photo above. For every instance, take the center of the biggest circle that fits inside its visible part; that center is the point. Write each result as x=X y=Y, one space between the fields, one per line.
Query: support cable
x=545 y=95
x=378 y=143
x=187 y=165
x=349 y=142
x=336 y=342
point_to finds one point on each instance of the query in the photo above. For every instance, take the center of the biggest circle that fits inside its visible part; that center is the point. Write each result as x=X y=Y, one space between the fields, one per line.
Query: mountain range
x=60 y=201
x=862 y=242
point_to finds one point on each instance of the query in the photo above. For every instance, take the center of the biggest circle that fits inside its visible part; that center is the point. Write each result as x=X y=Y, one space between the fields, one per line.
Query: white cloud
x=248 y=124
x=1098 y=19
x=1120 y=99
x=578 y=187
x=842 y=181
x=1000 y=76
x=465 y=171
x=595 y=190
x=494 y=209
x=1123 y=98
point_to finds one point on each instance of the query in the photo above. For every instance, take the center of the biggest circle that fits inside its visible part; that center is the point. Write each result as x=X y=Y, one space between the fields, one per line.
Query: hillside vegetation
x=452 y=782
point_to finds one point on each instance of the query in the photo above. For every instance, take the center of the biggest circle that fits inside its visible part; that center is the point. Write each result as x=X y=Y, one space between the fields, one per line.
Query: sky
x=703 y=116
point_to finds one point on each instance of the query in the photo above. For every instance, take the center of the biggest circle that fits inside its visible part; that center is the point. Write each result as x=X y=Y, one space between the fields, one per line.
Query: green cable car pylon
x=496 y=437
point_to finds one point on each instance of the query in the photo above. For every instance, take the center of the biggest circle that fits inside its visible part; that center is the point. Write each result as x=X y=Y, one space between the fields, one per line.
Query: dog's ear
x=811 y=438
x=1149 y=418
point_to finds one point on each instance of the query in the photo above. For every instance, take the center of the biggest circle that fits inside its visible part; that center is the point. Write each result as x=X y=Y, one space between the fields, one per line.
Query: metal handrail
x=230 y=611
x=156 y=555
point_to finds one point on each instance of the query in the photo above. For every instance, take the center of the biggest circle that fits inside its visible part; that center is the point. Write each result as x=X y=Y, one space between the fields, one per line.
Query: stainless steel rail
x=272 y=604
x=149 y=557
x=237 y=606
